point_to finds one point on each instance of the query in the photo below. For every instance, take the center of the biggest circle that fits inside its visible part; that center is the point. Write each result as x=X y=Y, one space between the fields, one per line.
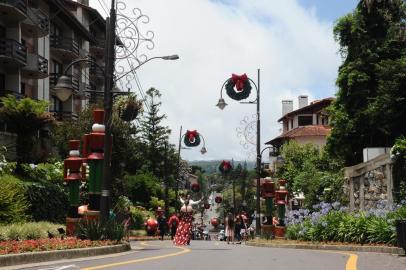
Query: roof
x=304 y=131
x=315 y=106
x=94 y=13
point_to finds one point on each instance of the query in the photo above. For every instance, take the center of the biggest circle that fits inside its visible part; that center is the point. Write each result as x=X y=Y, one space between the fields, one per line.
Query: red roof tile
x=312 y=130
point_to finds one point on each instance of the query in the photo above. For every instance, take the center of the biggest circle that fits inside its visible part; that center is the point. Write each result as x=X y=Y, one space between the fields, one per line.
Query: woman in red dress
x=183 y=233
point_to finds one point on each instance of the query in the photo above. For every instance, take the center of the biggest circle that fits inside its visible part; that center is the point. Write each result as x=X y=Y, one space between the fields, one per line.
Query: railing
x=13 y=49
x=68 y=44
x=95 y=71
x=64 y=115
x=39 y=19
x=100 y=42
x=19 y=4
x=42 y=64
x=53 y=79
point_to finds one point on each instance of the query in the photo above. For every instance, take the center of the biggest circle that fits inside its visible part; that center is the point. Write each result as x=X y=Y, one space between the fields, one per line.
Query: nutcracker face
x=72 y=169
x=268 y=190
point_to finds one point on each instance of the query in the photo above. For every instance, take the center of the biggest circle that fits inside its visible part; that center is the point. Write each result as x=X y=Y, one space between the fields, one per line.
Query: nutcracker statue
x=74 y=171
x=268 y=193
x=93 y=146
x=281 y=202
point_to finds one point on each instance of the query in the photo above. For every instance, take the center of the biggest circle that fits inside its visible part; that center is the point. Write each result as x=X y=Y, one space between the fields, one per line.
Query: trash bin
x=401 y=233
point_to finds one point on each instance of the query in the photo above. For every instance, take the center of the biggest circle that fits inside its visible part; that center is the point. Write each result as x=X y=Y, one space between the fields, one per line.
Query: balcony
x=64 y=115
x=13 y=10
x=96 y=74
x=65 y=48
x=13 y=93
x=36 y=24
x=97 y=48
x=36 y=68
x=12 y=53
x=53 y=78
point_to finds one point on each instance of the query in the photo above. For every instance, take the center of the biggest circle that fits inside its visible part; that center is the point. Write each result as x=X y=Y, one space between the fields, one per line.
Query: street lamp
x=222 y=104
x=203 y=151
x=65 y=89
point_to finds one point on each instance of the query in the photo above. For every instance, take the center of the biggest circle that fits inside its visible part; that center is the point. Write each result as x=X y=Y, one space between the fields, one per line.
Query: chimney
x=287 y=106
x=303 y=101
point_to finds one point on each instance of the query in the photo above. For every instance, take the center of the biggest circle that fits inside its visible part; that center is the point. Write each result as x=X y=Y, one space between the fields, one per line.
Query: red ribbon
x=191 y=134
x=239 y=81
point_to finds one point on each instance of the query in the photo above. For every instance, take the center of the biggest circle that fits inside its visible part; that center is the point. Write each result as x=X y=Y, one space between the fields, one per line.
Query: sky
x=290 y=41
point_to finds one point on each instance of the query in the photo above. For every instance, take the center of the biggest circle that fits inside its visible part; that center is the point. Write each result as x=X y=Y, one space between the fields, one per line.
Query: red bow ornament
x=239 y=81
x=226 y=165
x=191 y=135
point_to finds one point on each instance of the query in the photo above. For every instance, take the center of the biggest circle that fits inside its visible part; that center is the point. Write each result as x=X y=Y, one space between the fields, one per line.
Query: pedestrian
x=237 y=229
x=162 y=222
x=184 y=230
x=230 y=227
x=173 y=224
x=127 y=222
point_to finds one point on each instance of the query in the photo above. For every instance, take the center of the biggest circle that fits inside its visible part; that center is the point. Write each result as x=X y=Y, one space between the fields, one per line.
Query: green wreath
x=192 y=138
x=238 y=87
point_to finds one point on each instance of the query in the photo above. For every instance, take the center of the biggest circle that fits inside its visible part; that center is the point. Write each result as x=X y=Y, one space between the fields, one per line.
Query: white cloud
x=294 y=50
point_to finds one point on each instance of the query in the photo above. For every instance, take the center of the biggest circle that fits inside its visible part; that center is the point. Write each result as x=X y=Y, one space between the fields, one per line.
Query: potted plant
x=128 y=107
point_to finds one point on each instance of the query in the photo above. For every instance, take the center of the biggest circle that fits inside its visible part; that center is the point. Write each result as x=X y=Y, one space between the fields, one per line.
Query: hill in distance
x=211 y=166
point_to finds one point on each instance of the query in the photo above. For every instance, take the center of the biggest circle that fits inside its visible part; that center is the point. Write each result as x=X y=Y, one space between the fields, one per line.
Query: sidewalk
x=324 y=246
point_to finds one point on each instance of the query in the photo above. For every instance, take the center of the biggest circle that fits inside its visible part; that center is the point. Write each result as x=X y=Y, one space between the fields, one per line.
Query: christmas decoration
x=225 y=167
x=206 y=206
x=214 y=222
x=192 y=138
x=195 y=187
x=238 y=87
x=128 y=107
x=218 y=199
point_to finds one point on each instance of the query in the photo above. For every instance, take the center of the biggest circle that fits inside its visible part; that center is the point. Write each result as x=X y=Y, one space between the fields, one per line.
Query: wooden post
x=389 y=183
x=352 y=201
x=361 y=192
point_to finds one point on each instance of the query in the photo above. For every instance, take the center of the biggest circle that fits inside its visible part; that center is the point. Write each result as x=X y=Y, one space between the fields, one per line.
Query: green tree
x=371 y=106
x=140 y=188
x=25 y=117
x=154 y=135
x=313 y=172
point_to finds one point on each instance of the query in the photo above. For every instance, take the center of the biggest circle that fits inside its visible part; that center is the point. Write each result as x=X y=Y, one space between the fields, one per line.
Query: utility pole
x=178 y=172
x=166 y=180
x=258 y=193
x=108 y=104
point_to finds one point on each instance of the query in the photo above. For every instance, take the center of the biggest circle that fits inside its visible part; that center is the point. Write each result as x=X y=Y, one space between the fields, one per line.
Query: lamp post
x=222 y=104
x=203 y=151
x=64 y=86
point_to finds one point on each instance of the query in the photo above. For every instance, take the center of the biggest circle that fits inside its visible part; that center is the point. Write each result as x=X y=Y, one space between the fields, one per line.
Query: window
x=22 y=86
x=305 y=120
x=56 y=67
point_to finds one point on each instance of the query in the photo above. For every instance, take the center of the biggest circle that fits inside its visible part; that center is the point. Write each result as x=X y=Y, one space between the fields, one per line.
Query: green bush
x=13 y=204
x=292 y=231
x=94 y=230
x=28 y=231
x=48 y=202
x=44 y=172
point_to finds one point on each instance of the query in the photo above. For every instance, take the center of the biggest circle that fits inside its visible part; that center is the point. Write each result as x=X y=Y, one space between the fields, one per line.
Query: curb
x=378 y=249
x=44 y=256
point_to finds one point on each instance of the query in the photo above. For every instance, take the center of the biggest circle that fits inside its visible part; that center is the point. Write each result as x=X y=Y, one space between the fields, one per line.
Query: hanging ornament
x=238 y=87
x=195 y=187
x=206 y=205
x=218 y=199
x=192 y=138
x=225 y=167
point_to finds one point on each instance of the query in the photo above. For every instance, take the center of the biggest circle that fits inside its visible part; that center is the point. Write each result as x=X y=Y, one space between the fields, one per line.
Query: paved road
x=203 y=255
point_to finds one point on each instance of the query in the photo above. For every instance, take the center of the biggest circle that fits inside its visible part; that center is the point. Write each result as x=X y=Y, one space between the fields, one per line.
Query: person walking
x=237 y=229
x=173 y=224
x=162 y=223
x=230 y=227
x=184 y=230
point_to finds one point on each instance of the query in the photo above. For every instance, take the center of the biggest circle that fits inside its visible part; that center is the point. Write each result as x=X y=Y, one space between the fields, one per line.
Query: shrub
x=44 y=172
x=95 y=230
x=28 y=231
x=13 y=204
x=48 y=202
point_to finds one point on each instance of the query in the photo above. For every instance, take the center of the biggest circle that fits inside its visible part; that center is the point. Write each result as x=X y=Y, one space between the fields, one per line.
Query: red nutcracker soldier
x=93 y=146
x=74 y=172
x=268 y=193
x=281 y=202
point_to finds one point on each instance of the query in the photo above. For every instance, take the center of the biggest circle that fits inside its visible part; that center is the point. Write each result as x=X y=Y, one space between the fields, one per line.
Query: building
x=308 y=124
x=38 y=40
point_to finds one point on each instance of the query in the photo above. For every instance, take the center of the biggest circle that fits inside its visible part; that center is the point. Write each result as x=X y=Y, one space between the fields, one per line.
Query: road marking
x=184 y=251
x=61 y=267
x=351 y=262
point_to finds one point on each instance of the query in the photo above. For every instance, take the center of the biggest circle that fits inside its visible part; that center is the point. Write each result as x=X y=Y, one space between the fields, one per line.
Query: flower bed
x=333 y=223
x=13 y=247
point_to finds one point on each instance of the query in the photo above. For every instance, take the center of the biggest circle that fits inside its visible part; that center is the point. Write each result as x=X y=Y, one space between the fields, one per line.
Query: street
x=202 y=255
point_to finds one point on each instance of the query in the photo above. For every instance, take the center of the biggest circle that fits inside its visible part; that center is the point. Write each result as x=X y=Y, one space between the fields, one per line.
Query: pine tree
x=154 y=135
x=371 y=106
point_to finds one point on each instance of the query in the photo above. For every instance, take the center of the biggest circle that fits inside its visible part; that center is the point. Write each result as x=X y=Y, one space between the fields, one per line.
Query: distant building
x=308 y=124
